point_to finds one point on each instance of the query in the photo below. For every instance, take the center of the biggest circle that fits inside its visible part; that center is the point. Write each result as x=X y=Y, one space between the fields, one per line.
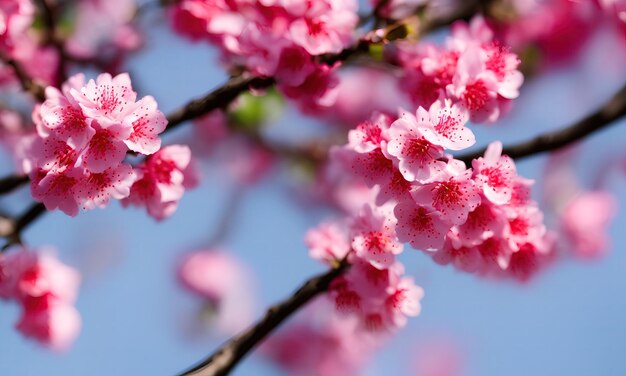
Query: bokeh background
x=571 y=320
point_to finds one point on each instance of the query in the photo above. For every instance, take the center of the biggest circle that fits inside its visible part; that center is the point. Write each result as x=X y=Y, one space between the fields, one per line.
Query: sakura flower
x=495 y=173
x=107 y=97
x=328 y=242
x=452 y=193
x=420 y=226
x=475 y=86
x=485 y=221
x=60 y=114
x=162 y=180
x=325 y=27
x=373 y=236
x=444 y=125
x=370 y=134
x=56 y=190
x=106 y=148
x=418 y=158
x=403 y=301
x=97 y=188
x=146 y=123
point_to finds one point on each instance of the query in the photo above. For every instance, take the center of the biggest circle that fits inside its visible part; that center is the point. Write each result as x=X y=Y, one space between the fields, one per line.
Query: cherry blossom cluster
x=374 y=290
x=46 y=290
x=275 y=38
x=84 y=132
x=472 y=69
x=480 y=219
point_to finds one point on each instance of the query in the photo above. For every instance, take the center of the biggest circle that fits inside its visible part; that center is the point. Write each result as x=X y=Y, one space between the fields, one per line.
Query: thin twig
x=604 y=116
x=227 y=356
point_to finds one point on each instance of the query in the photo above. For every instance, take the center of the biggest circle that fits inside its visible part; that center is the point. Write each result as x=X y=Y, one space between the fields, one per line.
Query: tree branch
x=227 y=357
x=9 y=183
x=218 y=98
x=25 y=80
x=606 y=115
x=13 y=227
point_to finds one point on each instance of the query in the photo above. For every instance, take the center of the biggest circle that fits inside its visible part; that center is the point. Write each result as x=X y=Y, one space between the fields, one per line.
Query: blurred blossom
x=437 y=356
x=585 y=222
x=224 y=284
x=103 y=27
x=320 y=343
x=583 y=216
x=46 y=289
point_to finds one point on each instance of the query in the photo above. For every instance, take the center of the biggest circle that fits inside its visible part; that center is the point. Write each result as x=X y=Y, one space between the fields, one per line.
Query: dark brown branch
x=606 y=115
x=10 y=183
x=13 y=229
x=218 y=98
x=227 y=357
x=25 y=80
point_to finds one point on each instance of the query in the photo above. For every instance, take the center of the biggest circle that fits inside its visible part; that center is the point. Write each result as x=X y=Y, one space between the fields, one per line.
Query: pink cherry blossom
x=404 y=301
x=418 y=158
x=161 y=181
x=325 y=26
x=373 y=236
x=146 y=123
x=56 y=190
x=61 y=115
x=328 y=242
x=107 y=97
x=381 y=298
x=496 y=173
x=444 y=125
x=106 y=148
x=485 y=221
x=97 y=188
x=420 y=226
x=452 y=193
x=475 y=86
x=370 y=134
